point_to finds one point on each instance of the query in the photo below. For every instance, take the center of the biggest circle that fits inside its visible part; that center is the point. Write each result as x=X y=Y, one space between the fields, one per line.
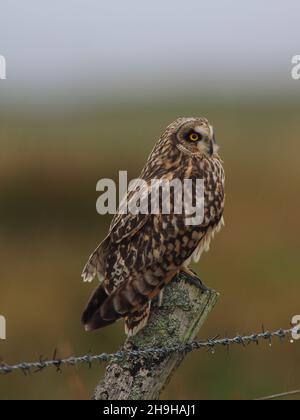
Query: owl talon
x=200 y=285
x=194 y=281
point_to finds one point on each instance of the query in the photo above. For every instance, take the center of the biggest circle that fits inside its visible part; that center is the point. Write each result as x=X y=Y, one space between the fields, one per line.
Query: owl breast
x=166 y=242
x=214 y=199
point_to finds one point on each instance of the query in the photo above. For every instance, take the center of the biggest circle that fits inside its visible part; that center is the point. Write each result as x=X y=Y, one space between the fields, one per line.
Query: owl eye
x=194 y=136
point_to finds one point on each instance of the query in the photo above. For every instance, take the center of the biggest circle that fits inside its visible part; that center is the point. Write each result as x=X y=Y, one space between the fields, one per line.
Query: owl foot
x=191 y=277
x=195 y=281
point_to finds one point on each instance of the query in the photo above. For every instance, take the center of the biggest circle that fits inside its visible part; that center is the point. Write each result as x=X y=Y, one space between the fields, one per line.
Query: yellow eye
x=194 y=137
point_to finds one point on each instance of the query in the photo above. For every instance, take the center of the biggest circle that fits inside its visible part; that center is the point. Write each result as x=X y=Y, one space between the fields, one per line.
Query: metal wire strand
x=88 y=359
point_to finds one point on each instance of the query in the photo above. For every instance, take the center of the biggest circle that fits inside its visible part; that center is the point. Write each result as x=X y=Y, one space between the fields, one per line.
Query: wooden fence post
x=178 y=320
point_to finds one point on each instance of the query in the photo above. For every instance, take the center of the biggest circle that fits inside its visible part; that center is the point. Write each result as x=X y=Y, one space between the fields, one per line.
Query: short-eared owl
x=144 y=252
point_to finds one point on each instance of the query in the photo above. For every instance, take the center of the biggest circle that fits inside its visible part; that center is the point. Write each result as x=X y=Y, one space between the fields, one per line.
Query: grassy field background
x=49 y=166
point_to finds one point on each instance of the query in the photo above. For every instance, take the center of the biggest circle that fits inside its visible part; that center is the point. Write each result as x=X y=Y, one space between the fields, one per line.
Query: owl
x=142 y=253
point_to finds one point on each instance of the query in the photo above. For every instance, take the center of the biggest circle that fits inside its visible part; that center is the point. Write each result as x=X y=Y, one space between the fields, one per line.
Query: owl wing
x=124 y=225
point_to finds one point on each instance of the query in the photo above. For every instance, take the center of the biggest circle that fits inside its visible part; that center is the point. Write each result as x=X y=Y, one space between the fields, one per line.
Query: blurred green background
x=48 y=172
x=58 y=139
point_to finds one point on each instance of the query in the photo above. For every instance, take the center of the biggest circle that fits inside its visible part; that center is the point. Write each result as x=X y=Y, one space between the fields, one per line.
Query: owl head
x=194 y=136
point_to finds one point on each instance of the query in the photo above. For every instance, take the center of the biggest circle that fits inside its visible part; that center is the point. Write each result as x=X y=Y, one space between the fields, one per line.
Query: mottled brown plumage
x=142 y=253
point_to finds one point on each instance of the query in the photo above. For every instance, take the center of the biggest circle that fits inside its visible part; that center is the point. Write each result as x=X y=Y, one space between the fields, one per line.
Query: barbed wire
x=88 y=359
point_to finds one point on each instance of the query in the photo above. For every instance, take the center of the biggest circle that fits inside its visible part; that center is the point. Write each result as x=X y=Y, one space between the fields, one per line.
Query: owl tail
x=92 y=318
x=137 y=320
x=103 y=310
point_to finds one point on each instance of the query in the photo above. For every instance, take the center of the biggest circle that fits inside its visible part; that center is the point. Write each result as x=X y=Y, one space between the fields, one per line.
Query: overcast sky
x=117 y=46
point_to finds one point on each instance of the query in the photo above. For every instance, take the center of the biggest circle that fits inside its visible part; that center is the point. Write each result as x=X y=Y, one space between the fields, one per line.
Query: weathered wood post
x=178 y=320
